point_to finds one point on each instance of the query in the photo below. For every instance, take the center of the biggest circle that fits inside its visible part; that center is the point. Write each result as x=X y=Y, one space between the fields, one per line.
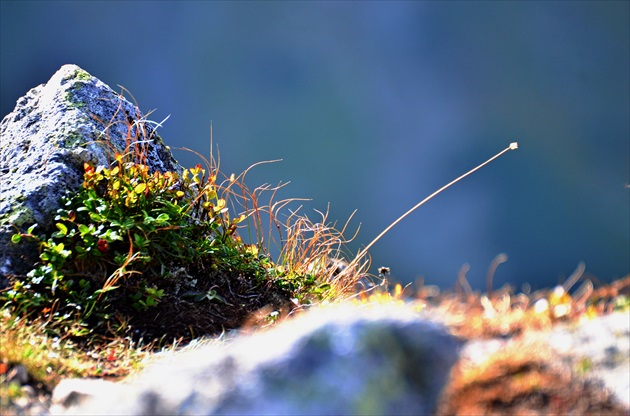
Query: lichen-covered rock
x=55 y=128
x=341 y=361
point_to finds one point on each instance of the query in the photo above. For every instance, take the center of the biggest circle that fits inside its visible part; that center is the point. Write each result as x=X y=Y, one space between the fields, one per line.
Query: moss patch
x=82 y=75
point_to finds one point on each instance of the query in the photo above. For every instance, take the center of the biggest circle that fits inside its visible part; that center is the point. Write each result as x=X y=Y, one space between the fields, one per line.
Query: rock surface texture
x=580 y=367
x=602 y=345
x=337 y=361
x=55 y=128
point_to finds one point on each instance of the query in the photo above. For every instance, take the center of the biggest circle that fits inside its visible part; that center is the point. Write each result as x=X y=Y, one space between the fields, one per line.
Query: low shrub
x=132 y=243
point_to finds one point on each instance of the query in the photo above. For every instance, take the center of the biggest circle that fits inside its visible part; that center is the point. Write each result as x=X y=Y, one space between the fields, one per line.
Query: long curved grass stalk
x=512 y=146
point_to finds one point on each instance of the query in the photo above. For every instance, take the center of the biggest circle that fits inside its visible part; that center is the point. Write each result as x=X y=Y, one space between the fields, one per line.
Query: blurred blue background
x=372 y=106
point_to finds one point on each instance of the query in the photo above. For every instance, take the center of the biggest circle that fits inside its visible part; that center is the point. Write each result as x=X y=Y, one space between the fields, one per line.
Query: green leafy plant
x=148 y=297
x=124 y=221
x=119 y=245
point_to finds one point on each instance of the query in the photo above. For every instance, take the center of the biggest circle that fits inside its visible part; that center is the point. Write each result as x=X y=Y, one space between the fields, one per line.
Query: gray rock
x=349 y=360
x=600 y=349
x=55 y=128
x=596 y=349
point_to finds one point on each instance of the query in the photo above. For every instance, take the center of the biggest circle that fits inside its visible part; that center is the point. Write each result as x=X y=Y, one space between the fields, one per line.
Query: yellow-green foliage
x=128 y=227
x=123 y=221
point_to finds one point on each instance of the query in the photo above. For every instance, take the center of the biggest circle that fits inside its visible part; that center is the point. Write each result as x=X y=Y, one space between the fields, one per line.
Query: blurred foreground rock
x=577 y=367
x=599 y=348
x=350 y=360
x=55 y=128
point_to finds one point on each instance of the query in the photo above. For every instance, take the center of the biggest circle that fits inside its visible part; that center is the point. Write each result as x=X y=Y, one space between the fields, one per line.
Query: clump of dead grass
x=523 y=378
x=44 y=358
x=506 y=313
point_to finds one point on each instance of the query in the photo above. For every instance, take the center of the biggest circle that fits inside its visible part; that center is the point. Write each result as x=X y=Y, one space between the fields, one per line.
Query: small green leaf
x=140 y=188
x=16 y=238
x=162 y=218
x=109 y=289
x=63 y=230
x=128 y=224
x=113 y=235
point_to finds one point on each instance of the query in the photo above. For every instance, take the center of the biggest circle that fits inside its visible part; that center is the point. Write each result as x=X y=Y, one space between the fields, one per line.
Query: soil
x=211 y=302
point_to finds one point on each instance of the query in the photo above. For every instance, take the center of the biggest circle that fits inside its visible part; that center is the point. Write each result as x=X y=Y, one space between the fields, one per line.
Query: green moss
x=19 y=216
x=72 y=140
x=72 y=103
x=82 y=75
